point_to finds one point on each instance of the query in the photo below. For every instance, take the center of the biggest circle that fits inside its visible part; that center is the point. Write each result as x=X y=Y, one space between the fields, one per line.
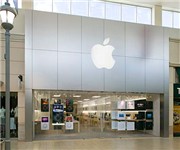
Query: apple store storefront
x=95 y=78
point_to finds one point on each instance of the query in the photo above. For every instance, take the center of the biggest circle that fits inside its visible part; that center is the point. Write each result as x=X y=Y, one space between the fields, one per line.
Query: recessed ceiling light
x=96 y=96
x=86 y=99
x=76 y=95
x=56 y=95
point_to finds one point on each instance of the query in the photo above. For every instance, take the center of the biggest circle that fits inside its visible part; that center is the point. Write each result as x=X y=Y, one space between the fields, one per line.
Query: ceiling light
x=56 y=95
x=96 y=96
x=76 y=95
x=86 y=99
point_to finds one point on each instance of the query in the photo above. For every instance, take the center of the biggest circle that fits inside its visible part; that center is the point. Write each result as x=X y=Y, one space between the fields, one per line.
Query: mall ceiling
x=174 y=4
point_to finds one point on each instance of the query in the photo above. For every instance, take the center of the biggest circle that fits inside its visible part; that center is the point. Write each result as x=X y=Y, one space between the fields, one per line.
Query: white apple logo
x=102 y=55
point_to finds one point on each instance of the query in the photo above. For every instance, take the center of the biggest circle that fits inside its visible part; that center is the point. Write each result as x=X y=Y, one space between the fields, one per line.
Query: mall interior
x=93 y=73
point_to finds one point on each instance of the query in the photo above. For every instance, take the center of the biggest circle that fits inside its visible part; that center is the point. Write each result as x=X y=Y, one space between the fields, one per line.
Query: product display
x=121 y=105
x=149 y=125
x=149 y=115
x=136 y=116
x=44 y=105
x=69 y=105
x=130 y=105
x=121 y=115
x=58 y=115
x=140 y=125
x=140 y=115
x=131 y=126
x=140 y=104
x=149 y=105
x=121 y=125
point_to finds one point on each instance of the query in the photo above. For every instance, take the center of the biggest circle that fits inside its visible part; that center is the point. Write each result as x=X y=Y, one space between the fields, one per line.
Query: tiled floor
x=144 y=143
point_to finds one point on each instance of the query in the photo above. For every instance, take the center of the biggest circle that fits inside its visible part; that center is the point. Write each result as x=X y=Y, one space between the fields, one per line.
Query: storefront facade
x=58 y=58
x=58 y=53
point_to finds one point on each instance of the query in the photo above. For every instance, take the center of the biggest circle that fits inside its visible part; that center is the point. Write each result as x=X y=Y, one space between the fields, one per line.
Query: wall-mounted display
x=140 y=125
x=140 y=104
x=69 y=125
x=113 y=115
x=44 y=105
x=58 y=115
x=149 y=115
x=69 y=105
x=114 y=125
x=140 y=115
x=45 y=123
x=130 y=126
x=149 y=125
x=121 y=115
x=130 y=105
x=149 y=104
x=121 y=104
x=121 y=125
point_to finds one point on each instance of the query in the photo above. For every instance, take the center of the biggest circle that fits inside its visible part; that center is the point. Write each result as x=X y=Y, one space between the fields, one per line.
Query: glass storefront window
x=61 y=6
x=83 y=114
x=96 y=9
x=167 y=18
x=144 y=15
x=113 y=11
x=129 y=13
x=176 y=19
x=43 y=5
x=79 y=7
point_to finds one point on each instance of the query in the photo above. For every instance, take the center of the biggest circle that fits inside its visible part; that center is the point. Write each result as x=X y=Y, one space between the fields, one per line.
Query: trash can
x=2 y=145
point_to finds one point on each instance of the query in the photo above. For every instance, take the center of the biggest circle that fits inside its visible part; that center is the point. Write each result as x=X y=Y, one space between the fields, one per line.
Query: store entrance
x=83 y=115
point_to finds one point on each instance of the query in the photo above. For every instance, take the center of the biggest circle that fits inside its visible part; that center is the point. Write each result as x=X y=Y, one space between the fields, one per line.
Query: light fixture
x=7 y=16
x=58 y=95
x=76 y=95
x=96 y=96
x=86 y=99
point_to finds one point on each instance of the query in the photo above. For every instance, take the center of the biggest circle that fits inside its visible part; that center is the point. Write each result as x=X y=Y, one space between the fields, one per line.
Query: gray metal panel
x=92 y=77
x=44 y=70
x=115 y=30
x=115 y=77
x=28 y=115
x=154 y=42
x=154 y=76
x=166 y=76
x=69 y=33
x=135 y=40
x=69 y=71
x=164 y=115
x=92 y=33
x=44 y=30
x=135 y=74
x=166 y=45
x=28 y=29
x=28 y=68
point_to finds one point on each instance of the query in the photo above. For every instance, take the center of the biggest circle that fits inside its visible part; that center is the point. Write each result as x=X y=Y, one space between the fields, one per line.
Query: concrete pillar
x=157 y=15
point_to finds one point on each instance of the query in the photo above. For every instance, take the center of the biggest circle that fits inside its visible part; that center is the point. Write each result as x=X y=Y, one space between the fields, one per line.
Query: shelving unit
x=132 y=115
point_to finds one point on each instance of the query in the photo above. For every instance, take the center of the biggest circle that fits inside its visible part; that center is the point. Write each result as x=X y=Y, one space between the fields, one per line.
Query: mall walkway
x=145 y=143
